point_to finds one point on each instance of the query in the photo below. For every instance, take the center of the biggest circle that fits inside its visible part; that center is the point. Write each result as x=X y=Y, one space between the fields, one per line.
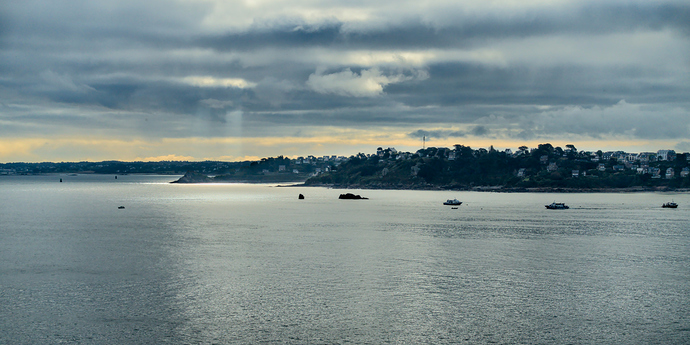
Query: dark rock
x=351 y=196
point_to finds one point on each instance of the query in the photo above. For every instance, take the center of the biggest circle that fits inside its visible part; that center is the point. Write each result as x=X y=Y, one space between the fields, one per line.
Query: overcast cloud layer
x=211 y=79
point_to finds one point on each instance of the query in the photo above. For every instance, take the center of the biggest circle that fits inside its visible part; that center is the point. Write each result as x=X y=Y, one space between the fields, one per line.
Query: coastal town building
x=670 y=173
x=544 y=159
x=646 y=157
x=631 y=157
x=685 y=172
x=666 y=155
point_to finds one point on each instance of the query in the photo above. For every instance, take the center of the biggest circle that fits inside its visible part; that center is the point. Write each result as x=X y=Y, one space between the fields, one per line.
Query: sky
x=94 y=80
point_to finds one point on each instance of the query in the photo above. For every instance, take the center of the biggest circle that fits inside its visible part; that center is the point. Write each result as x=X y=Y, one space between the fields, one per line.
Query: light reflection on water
x=238 y=263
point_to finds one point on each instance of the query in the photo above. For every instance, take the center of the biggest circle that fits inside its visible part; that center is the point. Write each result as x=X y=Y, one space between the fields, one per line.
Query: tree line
x=463 y=167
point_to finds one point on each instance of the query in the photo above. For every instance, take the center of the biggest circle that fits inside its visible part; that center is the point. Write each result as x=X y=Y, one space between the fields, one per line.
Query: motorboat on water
x=670 y=205
x=453 y=202
x=557 y=206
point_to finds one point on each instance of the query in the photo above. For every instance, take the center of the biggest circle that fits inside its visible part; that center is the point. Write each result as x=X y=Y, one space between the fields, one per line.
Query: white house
x=666 y=155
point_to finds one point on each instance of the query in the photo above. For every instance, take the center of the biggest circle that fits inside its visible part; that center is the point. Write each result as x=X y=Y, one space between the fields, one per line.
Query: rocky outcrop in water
x=351 y=196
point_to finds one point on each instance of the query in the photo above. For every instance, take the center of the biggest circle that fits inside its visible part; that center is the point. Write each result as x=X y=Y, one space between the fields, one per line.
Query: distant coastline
x=196 y=178
x=500 y=189
x=537 y=170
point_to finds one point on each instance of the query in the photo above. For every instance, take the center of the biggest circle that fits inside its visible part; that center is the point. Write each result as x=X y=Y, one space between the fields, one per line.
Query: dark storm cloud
x=461 y=84
x=465 y=30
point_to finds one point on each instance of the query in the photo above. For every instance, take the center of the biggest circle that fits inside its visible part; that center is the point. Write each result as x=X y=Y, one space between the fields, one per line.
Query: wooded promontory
x=544 y=168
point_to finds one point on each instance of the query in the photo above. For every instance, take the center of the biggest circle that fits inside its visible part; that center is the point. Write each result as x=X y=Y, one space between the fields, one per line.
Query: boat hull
x=557 y=206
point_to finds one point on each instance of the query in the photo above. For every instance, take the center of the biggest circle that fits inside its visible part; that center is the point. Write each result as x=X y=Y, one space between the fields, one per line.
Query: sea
x=253 y=264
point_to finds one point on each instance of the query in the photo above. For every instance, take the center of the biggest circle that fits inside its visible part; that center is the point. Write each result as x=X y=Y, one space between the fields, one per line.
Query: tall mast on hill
x=423 y=142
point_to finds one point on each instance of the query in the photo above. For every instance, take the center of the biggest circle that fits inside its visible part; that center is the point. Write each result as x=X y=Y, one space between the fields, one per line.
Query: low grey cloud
x=480 y=131
x=436 y=134
x=476 y=131
x=631 y=120
x=216 y=104
x=683 y=146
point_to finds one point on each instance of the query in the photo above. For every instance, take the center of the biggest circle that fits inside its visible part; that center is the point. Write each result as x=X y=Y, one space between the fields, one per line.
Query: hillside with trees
x=545 y=167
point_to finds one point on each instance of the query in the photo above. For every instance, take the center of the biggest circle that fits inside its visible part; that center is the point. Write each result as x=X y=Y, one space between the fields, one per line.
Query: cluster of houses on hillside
x=317 y=160
x=668 y=173
x=638 y=162
x=611 y=160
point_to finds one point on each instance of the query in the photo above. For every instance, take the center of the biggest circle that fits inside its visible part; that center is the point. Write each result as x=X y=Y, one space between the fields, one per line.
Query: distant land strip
x=542 y=169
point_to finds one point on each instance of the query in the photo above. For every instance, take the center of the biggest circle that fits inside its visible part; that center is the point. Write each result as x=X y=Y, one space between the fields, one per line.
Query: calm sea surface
x=252 y=264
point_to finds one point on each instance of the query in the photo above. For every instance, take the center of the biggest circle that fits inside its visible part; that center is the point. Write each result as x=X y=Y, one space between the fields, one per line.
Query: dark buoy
x=116 y=177
x=301 y=196
x=60 y=180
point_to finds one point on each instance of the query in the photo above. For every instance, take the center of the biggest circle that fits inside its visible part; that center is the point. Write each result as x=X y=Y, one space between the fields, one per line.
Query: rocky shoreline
x=501 y=189
x=192 y=177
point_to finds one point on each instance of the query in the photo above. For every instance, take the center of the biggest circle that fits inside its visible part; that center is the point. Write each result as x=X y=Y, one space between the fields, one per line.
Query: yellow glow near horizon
x=331 y=141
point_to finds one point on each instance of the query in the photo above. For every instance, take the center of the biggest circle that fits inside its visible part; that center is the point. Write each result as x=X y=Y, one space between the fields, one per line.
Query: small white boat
x=454 y=202
x=557 y=206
